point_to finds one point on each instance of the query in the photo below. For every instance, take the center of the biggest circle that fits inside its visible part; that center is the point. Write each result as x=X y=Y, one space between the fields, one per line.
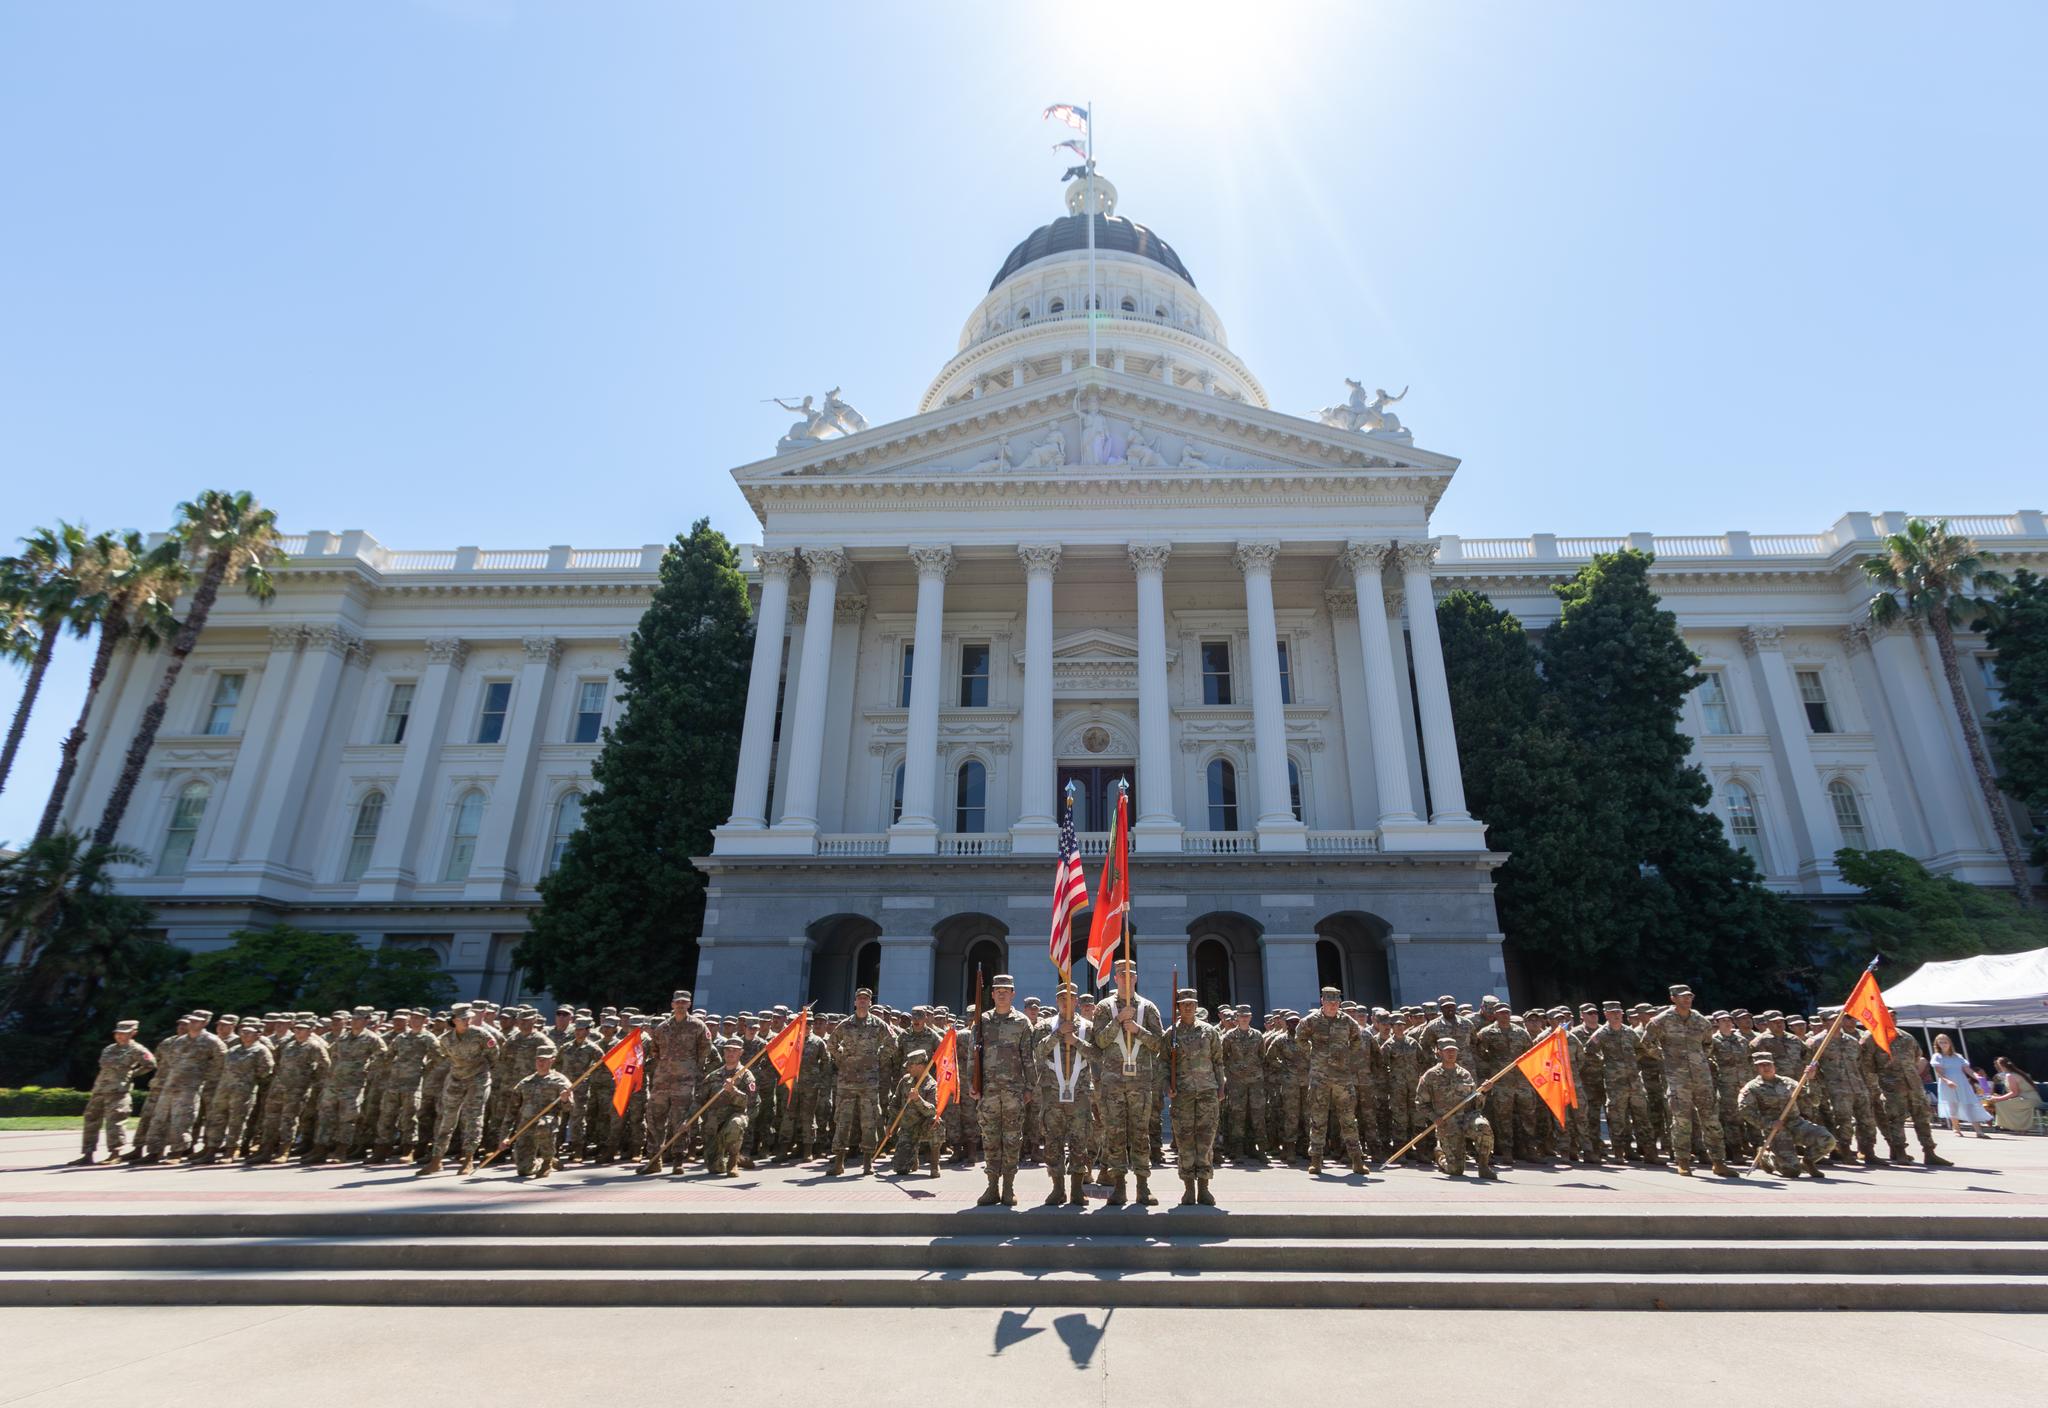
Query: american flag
x=1069 y=895
x=1073 y=114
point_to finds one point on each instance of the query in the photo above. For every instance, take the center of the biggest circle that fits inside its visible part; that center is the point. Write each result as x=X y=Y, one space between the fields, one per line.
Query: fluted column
x=1036 y=830
x=280 y=802
x=807 y=748
x=757 y=736
x=264 y=721
x=1432 y=691
x=917 y=831
x=1382 y=702
x=495 y=871
x=390 y=874
x=1157 y=828
x=1278 y=829
x=1814 y=835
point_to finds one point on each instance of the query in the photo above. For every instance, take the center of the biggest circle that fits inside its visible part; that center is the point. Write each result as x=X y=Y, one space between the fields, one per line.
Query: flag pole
x=653 y=1165
x=1800 y=1085
x=513 y=1137
x=1484 y=1086
x=1088 y=211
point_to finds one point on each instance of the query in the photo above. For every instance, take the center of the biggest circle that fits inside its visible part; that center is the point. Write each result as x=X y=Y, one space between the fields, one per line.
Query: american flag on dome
x=1069 y=895
x=1073 y=115
x=1071 y=146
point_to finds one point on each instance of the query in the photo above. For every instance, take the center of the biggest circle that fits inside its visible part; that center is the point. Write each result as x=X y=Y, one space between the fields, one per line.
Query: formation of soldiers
x=1078 y=1086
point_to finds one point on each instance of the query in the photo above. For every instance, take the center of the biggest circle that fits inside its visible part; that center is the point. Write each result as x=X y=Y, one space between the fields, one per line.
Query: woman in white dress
x=1959 y=1100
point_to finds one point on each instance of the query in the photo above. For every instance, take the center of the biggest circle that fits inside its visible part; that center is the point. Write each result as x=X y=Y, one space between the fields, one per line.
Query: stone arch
x=1360 y=940
x=839 y=945
x=960 y=943
x=1226 y=960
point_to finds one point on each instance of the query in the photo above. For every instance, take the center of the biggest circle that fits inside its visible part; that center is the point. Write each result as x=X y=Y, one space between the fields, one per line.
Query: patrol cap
x=230 y=1017
x=440 y=1016
x=582 y=1021
x=461 y=1009
x=130 y=1027
x=1717 y=1016
x=1589 y=1007
x=1067 y=990
x=1640 y=1007
x=202 y=1014
x=1447 y=999
x=1446 y=1043
x=1771 y=1014
x=1763 y=1058
x=545 y=1051
x=1679 y=990
x=1561 y=1012
x=1738 y=1011
x=730 y=1043
x=1331 y=995
x=1087 y=998
x=1185 y=995
x=1610 y=1006
x=868 y=993
x=1123 y=964
x=363 y=1013
x=918 y=1055
x=1000 y=981
x=302 y=1022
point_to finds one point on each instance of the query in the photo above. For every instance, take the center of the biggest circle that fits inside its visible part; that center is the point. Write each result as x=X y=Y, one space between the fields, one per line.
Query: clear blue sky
x=475 y=271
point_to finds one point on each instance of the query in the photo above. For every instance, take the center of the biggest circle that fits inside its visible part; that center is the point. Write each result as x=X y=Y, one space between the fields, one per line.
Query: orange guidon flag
x=1113 y=895
x=1866 y=1005
x=946 y=1066
x=1548 y=1065
x=628 y=1063
x=786 y=1052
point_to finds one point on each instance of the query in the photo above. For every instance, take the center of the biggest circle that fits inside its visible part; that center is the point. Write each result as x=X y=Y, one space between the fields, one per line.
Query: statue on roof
x=1366 y=417
x=835 y=417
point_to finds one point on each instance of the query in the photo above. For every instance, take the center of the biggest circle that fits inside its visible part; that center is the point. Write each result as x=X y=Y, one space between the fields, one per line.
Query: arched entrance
x=846 y=953
x=1359 y=944
x=962 y=946
x=1225 y=963
x=1212 y=973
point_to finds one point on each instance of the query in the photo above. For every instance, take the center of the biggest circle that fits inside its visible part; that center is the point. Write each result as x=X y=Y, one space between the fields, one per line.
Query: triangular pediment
x=1096 y=646
x=1082 y=427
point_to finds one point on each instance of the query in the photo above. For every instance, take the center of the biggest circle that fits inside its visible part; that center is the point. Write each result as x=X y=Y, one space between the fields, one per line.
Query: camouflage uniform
x=1404 y=1059
x=534 y=1150
x=1370 y=1066
x=1124 y=1083
x=1732 y=1071
x=509 y=1070
x=464 y=1092
x=1615 y=1048
x=1683 y=1040
x=1494 y=1048
x=1761 y=1102
x=433 y=1074
x=1650 y=1066
x=726 y=1114
x=590 y=1107
x=1897 y=1076
x=1841 y=1069
x=679 y=1053
x=1008 y=1045
x=802 y=1133
x=107 y=1106
x=341 y=1101
x=1332 y=1044
x=860 y=1046
x=1287 y=1059
x=1196 y=1051
x=234 y=1095
x=1066 y=1095
x=1439 y=1091
x=916 y=1095
x=289 y=1112
x=407 y=1055
x=1244 y=1094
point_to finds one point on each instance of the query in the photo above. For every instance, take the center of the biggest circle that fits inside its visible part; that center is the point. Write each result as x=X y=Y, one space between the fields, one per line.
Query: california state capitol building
x=1094 y=554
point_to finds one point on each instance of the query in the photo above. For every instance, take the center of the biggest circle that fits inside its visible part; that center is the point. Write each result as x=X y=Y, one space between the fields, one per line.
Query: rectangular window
x=1815 y=696
x=589 y=712
x=1994 y=692
x=397 y=712
x=1215 y=672
x=1286 y=674
x=903 y=685
x=974 y=676
x=490 y=727
x=1714 y=703
x=220 y=713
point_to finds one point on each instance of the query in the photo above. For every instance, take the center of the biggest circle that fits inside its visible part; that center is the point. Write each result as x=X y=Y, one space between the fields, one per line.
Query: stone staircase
x=1917 y=1260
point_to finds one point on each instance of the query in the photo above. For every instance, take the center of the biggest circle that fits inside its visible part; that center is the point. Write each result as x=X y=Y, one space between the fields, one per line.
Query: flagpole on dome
x=1088 y=209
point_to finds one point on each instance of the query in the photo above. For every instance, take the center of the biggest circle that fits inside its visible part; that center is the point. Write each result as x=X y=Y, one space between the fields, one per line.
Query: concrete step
x=1010 y=1287
x=1093 y=1253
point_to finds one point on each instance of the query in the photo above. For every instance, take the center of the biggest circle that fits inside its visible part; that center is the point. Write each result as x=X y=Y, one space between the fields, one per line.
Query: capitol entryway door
x=1212 y=974
x=1095 y=793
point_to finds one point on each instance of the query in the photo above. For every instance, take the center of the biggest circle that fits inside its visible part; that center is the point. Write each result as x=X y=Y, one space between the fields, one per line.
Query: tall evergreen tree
x=620 y=916
x=2019 y=727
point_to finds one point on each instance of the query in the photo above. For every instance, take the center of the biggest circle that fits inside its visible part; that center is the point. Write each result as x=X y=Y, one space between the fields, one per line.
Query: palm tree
x=141 y=583
x=222 y=535
x=1932 y=576
x=49 y=889
x=41 y=585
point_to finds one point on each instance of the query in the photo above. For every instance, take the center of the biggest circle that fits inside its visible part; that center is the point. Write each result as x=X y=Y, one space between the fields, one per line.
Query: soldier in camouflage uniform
x=1131 y=1038
x=730 y=1094
x=1897 y=1076
x=341 y=1101
x=121 y=1061
x=1371 y=1069
x=1849 y=1105
x=1443 y=1089
x=861 y=1046
x=1800 y=1144
x=513 y=1064
x=1404 y=1058
x=916 y=1095
x=1009 y=1045
x=1616 y=1049
x=407 y=1053
x=1650 y=1065
x=465 y=1090
x=1495 y=1047
x=1066 y=1060
x=247 y=1065
x=802 y=1130
x=1244 y=1090
x=1447 y=1023
x=679 y=1056
x=1732 y=1070
x=155 y=1104
x=1332 y=1040
x=590 y=1100
x=301 y=1061
x=1195 y=1067
x=1684 y=1038
x=539 y=1099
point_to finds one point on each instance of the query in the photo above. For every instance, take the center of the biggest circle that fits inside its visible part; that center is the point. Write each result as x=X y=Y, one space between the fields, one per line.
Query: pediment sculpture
x=1366 y=417
x=833 y=419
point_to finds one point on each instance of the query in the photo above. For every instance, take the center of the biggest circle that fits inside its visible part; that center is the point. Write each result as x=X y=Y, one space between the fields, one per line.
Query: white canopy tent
x=1992 y=990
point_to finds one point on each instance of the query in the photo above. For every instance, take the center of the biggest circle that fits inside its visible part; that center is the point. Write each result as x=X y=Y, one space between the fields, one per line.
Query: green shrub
x=42 y=1100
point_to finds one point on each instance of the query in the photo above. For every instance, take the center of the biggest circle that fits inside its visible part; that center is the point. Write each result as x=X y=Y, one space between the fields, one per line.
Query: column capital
x=1341 y=603
x=1366 y=554
x=542 y=649
x=1758 y=639
x=1149 y=557
x=849 y=608
x=1039 y=557
x=287 y=637
x=1856 y=637
x=825 y=562
x=332 y=639
x=775 y=562
x=1416 y=557
x=1256 y=557
x=448 y=651
x=933 y=560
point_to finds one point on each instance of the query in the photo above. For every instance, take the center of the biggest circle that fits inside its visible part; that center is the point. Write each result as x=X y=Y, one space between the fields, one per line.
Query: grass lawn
x=41 y=1121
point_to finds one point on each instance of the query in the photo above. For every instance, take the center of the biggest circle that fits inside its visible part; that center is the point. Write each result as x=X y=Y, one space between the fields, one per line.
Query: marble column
x=398 y=837
x=1814 y=836
x=274 y=821
x=1156 y=827
x=1037 y=830
x=1930 y=737
x=1278 y=830
x=1432 y=690
x=1382 y=702
x=252 y=754
x=807 y=748
x=757 y=736
x=495 y=873
x=916 y=832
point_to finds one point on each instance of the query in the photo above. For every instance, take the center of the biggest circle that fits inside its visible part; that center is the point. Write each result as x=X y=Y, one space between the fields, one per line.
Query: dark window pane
x=974 y=676
x=1215 y=672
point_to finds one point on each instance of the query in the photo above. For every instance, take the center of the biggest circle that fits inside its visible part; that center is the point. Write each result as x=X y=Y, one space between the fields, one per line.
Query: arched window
x=568 y=821
x=896 y=797
x=1023 y=315
x=184 y=828
x=1058 y=305
x=1130 y=305
x=362 y=839
x=1745 y=828
x=970 y=799
x=1222 y=795
x=1848 y=815
x=1329 y=964
x=469 y=816
x=1294 y=788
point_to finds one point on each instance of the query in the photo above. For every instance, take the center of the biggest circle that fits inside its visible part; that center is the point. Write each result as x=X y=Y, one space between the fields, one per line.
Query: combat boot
x=1187 y=1195
x=1145 y=1198
x=1683 y=1168
x=1010 y=1189
x=82 y=1161
x=1202 y=1193
x=1077 y=1197
x=838 y=1164
x=209 y=1157
x=1870 y=1159
x=1486 y=1172
x=992 y=1194
x=432 y=1165
x=1721 y=1169
x=867 y=1168
x=1315 y=1164
x=468 y=1164
x=1357 y=1162
x=1811 y=1166
x=1117 y=1196
x=1934 y=1160
x=931 y=1159
x=1058 y=1194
